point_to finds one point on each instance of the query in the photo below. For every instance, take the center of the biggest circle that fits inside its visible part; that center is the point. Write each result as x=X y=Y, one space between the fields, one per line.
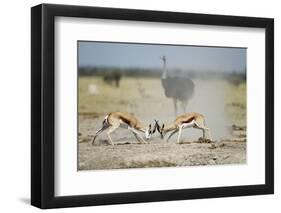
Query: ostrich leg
x=184 y=104
x=175 y=107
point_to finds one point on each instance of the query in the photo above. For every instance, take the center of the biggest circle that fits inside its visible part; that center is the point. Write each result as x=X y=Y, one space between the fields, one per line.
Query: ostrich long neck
x=164 y=74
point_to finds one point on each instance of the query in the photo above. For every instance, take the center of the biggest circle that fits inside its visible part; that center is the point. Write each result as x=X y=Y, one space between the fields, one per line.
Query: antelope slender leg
x=111 y=142
x=204 y=129
x=143 y=141
x=174 y=132
x=204 y=135
x=99 y=132
x=209 y=134
x=111 y=129
x=179 y=135
x=138 y=135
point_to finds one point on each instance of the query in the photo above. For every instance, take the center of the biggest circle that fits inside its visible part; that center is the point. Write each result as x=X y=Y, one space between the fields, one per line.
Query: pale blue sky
x=127 y=55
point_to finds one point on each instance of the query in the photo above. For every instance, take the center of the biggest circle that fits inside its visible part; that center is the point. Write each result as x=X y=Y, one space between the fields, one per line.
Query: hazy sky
x=126 y=55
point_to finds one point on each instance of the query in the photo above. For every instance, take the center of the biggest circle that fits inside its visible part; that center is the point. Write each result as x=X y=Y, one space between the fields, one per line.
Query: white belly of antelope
x=188 y=125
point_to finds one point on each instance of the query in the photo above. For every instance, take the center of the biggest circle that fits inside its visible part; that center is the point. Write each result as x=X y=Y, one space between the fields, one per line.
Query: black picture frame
x=43 y=105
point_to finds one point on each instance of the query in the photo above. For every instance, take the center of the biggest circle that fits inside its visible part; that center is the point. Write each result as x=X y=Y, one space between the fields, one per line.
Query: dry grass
x=236 y=103
x=128 y=97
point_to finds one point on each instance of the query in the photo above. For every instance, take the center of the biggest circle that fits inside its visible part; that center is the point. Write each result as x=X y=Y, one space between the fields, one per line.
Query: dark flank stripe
x=125 y=120
x=189 y=120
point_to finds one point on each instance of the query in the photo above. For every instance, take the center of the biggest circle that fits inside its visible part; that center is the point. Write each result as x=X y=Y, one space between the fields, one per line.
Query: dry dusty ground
x=160 y=154
x=223 y=105
x=128 y=153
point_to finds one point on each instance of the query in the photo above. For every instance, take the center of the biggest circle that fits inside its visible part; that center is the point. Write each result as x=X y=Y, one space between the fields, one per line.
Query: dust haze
x=208 y=99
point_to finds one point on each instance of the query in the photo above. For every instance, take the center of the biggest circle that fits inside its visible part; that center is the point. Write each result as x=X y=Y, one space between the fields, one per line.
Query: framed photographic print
x=139 y=106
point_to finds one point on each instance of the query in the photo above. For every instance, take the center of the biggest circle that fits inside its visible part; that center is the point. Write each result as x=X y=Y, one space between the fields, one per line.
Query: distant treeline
x=130 y=72
x=234 y=77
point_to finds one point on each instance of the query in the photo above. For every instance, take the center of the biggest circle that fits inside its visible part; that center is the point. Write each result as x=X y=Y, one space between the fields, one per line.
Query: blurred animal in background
x=93 y=89
x=113 y=78
x=236 y=78
x=179 y=88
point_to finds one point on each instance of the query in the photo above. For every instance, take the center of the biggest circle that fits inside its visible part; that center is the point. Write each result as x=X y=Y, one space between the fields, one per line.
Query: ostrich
x=178 y=88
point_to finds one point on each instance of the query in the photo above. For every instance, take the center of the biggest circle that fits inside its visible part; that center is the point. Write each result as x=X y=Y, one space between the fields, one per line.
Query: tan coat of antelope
x=187 y=120
x=114 y=120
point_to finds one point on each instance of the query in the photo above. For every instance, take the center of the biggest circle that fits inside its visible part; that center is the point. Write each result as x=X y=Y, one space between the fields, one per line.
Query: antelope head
x=150 y=131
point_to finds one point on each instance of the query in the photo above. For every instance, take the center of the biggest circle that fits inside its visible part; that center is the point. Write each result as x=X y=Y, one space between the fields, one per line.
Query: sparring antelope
x=124 y=120
x=186 y=120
